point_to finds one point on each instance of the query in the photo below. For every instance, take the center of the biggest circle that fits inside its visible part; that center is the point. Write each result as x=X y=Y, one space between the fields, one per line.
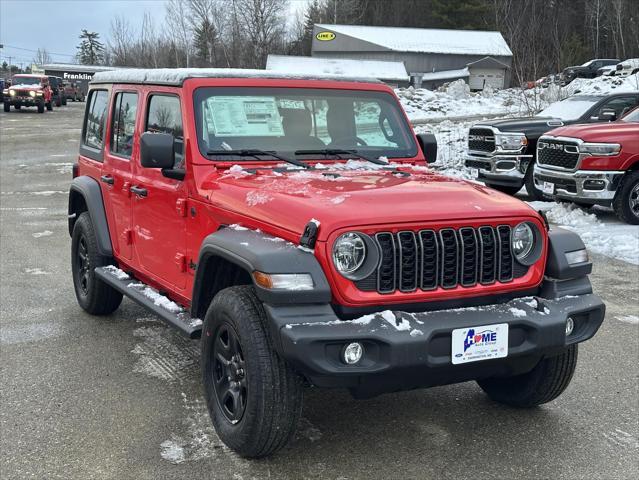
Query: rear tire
x=626 y=202
x=7 y=107
x=253 y=396
x=17 y=107
x=49 y=106
x=64 y=100
x=58 y=102
x=94 y=296
x=541 y=385
x=504 y=189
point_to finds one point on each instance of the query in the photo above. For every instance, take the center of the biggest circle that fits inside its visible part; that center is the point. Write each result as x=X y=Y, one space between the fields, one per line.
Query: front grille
x=447 y=258
x=481 y=139
x=557 y=153
x=479 y=164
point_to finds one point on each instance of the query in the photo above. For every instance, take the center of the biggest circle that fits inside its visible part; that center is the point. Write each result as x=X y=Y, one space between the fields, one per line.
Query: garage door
x=486 y=76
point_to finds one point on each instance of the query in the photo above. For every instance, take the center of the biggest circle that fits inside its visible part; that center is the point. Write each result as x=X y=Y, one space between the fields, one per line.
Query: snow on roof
x=446 y=75
x=74 y=67
x=427 y=40
x=338 y=66
x=176 y=76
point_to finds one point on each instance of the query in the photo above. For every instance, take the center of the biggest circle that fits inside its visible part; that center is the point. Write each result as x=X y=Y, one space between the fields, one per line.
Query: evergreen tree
x=90 y=50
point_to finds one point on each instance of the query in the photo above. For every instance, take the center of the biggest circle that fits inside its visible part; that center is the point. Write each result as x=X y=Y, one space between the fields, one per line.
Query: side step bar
x=149 y=298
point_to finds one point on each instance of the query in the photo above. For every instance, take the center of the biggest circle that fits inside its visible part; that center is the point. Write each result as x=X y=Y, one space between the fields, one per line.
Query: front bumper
x=499 y=168
x=418 y=352
x=26 y=101
x=590 y=186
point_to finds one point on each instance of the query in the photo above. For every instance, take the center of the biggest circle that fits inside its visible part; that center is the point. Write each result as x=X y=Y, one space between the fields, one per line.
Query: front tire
x=253 y=396
x=94 y=296
x=626 y=202
x=541 y=385
x=40 y=107
x=7 y=107
x=529 y=182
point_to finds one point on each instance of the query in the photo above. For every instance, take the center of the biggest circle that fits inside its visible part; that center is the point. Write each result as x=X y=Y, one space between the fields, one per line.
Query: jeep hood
x=352 y=199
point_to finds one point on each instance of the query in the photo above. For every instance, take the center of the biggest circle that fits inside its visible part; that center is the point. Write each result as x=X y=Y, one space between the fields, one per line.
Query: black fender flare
x=561 y=241
x=257 y=251
x=89 y=190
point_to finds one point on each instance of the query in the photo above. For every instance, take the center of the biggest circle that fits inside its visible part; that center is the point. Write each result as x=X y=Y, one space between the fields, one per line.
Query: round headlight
x=349 y=252
x=12 y=93
x=32 y=93
x=523 y=241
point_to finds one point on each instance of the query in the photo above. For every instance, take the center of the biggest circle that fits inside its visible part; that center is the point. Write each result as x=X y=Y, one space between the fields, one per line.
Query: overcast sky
x=26 y=25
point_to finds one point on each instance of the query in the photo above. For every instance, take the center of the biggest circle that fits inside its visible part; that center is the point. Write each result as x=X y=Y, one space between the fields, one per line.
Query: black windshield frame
x=404 y=129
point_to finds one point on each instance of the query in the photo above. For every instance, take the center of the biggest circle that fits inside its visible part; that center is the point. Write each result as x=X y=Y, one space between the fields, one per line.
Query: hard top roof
x=177 y=76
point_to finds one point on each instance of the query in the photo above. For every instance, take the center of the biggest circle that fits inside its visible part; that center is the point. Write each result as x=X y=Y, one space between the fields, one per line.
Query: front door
x=159 y=203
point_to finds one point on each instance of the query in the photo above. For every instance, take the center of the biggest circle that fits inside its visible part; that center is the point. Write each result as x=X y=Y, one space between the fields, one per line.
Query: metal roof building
x=422 y=50
x=388 y=72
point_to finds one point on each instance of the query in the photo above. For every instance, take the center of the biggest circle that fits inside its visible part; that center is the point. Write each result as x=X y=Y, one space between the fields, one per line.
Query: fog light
x=352 y=353
x=594 y=184
x=570 y=326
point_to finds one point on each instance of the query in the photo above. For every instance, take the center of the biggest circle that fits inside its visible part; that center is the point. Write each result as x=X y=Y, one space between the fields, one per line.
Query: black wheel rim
x=84 y=267
x=633 y=200
x=229 y=374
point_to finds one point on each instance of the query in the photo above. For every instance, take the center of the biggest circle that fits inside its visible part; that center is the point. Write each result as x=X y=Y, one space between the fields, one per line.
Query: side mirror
x=428 y=144
x=607 y=115
x=157 y=150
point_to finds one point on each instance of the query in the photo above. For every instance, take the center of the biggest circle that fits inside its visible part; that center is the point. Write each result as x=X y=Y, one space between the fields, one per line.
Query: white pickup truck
x=627 y=67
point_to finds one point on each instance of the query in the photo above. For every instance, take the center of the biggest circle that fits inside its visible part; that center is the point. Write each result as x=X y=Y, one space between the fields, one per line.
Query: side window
x=165 y=116
x=620 y=105
x=123 y=123
x=95 y=119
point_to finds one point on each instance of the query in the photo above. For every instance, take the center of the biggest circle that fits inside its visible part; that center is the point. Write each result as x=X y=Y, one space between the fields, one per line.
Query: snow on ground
x=600 y=230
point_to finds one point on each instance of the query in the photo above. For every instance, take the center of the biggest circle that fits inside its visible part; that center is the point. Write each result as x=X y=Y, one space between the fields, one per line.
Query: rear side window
x=123 y=123
x=95 y=119
x=165 y=116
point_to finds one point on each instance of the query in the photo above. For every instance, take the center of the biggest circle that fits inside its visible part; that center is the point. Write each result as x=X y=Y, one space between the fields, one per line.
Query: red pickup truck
x=293 y=224
x=593 y=165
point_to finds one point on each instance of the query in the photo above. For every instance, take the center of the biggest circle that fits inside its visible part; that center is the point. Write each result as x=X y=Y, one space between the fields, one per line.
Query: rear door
x=116 y=175
x=159 y=211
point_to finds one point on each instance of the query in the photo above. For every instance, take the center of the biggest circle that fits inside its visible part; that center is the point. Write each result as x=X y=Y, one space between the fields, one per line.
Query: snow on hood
x=24 y=87
x=358 y=193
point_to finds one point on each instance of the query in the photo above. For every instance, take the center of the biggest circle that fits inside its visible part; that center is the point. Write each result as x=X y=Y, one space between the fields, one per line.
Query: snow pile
x=611 y=238
x=603 y=85
x=156 y=297
x=116 y=272
x=456 y=100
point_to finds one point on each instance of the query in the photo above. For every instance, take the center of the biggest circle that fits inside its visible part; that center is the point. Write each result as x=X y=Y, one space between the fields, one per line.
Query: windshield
x=571 y=108
x=286 y=120
x=26 y=81
x=632 y=116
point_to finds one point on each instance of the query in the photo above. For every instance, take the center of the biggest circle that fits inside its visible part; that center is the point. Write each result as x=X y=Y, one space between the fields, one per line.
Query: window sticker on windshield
x=292 y=104
x=244 y=117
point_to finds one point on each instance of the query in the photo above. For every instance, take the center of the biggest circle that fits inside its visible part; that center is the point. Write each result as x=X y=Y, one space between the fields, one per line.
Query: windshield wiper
x=255 y=153
x=339 y=151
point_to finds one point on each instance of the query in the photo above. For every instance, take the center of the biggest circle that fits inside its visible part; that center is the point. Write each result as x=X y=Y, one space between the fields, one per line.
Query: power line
x=35 y=51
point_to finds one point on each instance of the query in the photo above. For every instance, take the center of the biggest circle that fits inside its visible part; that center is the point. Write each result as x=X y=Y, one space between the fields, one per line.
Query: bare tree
x=121 y=41
x=179 y=31
x=264 y=23
x=42 y=57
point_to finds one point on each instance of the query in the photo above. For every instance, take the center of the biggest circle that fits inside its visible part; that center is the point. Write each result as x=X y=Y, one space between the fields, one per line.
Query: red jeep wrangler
x=296 y=217
x=593 y=165
x=28 y=91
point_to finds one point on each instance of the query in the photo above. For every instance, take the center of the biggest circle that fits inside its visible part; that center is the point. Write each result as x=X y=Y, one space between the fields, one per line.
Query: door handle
x=107 y=179
x=139 y=191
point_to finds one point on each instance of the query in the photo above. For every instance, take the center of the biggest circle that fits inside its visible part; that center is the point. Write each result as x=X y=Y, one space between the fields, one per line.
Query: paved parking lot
x=117 y=397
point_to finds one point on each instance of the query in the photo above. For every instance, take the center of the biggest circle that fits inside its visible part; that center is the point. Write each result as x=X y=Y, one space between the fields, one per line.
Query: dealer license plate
x=474 y=172
x=473 y=344
x=548 y=188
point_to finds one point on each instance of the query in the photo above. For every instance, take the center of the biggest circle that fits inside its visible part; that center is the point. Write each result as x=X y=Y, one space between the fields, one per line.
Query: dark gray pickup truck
x=502 y=152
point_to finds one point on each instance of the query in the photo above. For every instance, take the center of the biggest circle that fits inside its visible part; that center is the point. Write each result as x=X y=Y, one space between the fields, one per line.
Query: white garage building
x=434 y=56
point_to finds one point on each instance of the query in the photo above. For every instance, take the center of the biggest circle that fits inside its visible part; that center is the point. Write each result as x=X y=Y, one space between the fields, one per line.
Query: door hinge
x=180 y=206
x=180 y=260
